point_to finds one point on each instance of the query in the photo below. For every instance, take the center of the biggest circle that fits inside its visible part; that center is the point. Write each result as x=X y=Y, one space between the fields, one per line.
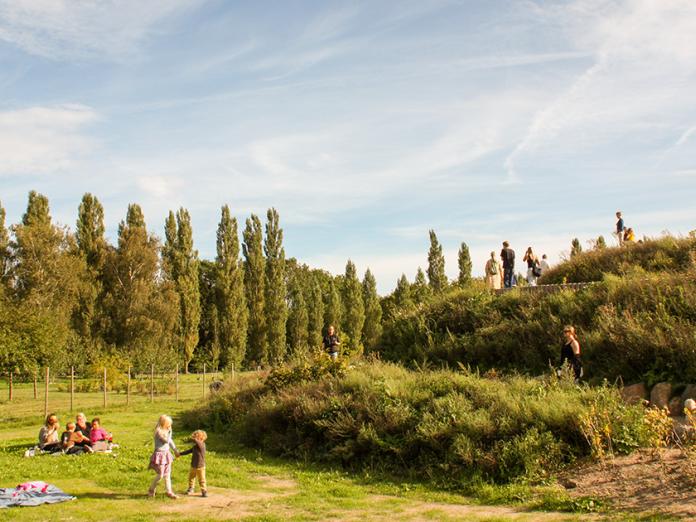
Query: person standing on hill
x=620 y=228
x=570 y=351
x=331 y=343
x=493 y=273
x=508 y=256
x=544 y=265
x=533 y=269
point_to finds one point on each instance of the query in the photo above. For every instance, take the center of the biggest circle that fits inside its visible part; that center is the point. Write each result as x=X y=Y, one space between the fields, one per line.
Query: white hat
x=690 y=404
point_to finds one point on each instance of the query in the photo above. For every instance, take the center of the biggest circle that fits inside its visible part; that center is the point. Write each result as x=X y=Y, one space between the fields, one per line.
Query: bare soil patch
x=661 y=481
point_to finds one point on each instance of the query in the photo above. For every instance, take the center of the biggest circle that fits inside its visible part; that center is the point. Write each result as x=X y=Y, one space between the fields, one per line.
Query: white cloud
x=643 y=71
x=83 y=29
x=43 y=139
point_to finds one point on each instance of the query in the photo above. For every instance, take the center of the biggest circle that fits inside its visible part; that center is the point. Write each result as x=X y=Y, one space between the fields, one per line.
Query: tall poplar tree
x=143 y=311
x=420 y=291
x=298 y=317
x=275 y=288
x=372 y=329
x=464 y=262
x=354 y=310
x=575 y=247
x=4 y=249
x=333 y=309
x=92 y=246
x=232 y=306
x=315 y=311
x=254 y=282
x=436 y=265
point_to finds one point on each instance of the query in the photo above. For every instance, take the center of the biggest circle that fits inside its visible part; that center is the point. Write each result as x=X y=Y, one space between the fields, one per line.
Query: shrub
x=447 y=426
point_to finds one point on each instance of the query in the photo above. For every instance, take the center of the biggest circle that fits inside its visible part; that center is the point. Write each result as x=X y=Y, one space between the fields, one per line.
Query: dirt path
x=645 y=481
x=231 y=504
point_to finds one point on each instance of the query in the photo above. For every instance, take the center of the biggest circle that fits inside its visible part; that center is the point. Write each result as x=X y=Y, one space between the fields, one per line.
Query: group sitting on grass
x=79 y=437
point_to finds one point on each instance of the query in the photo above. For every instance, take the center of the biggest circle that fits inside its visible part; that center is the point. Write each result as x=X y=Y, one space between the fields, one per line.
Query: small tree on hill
x=436 y=265
x=373 y=311
x=575 y=247
x=464 y=259
x=601 y=243
x=354 y=309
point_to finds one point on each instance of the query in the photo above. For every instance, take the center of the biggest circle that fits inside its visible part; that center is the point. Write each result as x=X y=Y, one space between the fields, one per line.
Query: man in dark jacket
x=508 y=256
x=331 y=343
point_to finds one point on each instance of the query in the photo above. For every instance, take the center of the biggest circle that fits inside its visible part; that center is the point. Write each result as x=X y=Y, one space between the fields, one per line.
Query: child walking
x=161 y=459
x=197 y=452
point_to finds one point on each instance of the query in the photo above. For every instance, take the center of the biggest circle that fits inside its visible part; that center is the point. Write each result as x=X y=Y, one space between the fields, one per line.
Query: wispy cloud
x=83 y=29
x=44 y=139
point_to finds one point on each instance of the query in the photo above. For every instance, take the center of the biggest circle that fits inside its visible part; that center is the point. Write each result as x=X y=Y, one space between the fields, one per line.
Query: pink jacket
x=98 y=434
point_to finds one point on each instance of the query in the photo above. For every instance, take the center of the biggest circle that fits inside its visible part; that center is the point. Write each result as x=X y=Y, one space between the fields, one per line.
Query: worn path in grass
x=245 y=485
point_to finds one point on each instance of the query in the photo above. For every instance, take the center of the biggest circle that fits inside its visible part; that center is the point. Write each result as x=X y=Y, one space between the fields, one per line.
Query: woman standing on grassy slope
x=493 y=273
x=570 y=351
x=161 y=459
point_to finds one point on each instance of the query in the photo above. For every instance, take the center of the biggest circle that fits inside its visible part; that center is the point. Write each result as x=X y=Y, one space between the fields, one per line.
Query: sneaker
x=189 y=491
x=204 y=493
x=172 y=495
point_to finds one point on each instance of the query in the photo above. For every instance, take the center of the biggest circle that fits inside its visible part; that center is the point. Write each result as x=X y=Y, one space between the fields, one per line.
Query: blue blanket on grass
x=10 y=497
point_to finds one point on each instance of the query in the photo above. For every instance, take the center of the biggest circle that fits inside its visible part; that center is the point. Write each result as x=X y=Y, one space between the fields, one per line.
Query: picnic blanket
x=32 y=494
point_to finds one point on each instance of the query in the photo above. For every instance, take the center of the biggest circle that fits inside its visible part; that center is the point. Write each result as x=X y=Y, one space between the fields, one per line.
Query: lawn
x=244 y=484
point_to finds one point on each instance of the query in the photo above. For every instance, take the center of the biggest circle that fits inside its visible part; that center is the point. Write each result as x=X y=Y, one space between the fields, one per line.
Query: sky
x=365 y=123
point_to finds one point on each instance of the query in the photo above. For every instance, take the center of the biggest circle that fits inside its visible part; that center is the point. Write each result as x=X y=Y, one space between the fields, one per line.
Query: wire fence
x=29 y=394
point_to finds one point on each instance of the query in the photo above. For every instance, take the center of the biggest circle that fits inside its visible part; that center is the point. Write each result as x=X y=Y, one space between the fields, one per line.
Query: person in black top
x=620 y=228
x=508 y=256
x=570 y=351
x=82 y=426
x=331 y=343
x=197 y=471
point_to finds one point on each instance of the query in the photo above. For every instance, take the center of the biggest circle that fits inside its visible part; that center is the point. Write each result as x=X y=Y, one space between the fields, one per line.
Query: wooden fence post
x=204 y=380
x=48 y=375
x=104 y=386
x=11 y=390
x=72 y=388
x=128 y=387
x=152 y=383
x=176 y=383
x=35 y=395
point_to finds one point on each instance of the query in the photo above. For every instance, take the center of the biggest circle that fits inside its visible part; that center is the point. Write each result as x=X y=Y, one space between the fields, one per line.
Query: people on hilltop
x=533 y=267
x=49 y=440
x=570 y=352
x=629 y=236
x=493 y=275
x=331 y=343
x=544 y=264
x=507 y=254
x=620 y=228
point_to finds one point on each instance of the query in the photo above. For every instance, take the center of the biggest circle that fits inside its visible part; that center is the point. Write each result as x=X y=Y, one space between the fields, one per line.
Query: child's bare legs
x=167 y=485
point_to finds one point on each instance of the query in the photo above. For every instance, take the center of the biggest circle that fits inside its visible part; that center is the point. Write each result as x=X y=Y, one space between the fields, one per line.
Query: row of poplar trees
x=72 y=298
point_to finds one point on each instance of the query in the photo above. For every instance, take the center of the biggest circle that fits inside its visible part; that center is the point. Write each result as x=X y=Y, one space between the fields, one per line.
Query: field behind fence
x=30 y=395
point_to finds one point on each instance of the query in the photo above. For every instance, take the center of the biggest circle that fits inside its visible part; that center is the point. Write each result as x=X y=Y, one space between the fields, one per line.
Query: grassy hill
x=637 y=323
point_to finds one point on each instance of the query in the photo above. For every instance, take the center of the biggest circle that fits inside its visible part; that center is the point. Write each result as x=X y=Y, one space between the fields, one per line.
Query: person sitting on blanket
x=83 y=427
x=48 y=435
x=99 y=437
x=70 y=439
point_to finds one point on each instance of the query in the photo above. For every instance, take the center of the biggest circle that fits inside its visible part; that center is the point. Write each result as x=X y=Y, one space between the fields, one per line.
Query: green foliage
x=445 y=426
x=420 y=291
x=230 y=297
x=436 y=265
x=353 y=311
x=667 y=254
x=575 y=248
x=315 y=314
x=464 y=261
x=298 y=318
x=275 y=289
x=254 y=284
x=372 y=328
x=333 y=308
x=638 y=327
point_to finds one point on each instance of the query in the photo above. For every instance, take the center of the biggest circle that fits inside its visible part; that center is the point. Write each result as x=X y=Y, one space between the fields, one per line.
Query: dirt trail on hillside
x=645 y=481
x=231 y=504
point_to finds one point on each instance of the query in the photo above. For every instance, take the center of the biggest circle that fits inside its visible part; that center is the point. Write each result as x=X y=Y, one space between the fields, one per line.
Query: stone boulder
x=216 y=386
x=635 y=393
x=676 y=407
x=689 y=392
x=660 y=394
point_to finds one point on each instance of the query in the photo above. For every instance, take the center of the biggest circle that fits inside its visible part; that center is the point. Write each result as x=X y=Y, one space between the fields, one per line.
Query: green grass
x=113 y=487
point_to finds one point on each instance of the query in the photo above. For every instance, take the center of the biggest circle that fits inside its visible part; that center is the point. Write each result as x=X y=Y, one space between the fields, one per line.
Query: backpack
x=493 y=267
x=536 y=269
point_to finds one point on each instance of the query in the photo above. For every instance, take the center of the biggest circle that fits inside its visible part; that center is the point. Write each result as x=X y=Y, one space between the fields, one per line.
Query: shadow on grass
x=112 y=496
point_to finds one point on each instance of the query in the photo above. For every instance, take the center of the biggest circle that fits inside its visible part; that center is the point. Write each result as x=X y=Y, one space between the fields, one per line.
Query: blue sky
x=363 y=123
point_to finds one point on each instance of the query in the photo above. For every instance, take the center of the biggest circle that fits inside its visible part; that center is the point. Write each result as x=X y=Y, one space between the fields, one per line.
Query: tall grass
x=454 y=427
x=641 y=326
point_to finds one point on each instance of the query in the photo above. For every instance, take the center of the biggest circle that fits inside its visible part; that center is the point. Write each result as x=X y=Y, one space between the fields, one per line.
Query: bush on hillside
x=656 y=255
x=638 y=327
x=436 y=425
